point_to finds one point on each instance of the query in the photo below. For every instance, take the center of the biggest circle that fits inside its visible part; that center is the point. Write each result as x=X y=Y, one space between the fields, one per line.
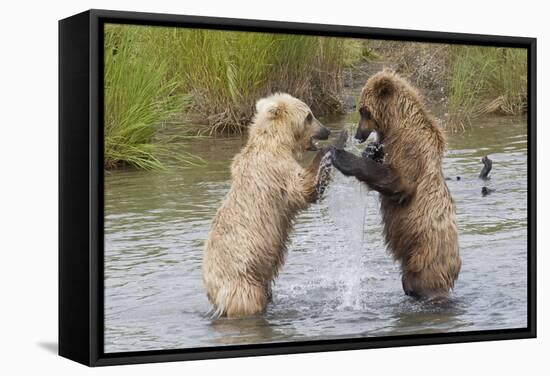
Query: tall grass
x=156 y=74
x=486 y=80
x=471 y=80
x=139 y=96
x=226 y=72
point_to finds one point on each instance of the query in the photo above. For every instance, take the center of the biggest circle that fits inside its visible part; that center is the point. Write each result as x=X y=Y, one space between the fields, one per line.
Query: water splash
x=345 y=203
x=156 y=224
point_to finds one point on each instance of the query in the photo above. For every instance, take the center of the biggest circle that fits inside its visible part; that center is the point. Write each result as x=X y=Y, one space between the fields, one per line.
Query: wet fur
x=246 y=246
x=417 y=209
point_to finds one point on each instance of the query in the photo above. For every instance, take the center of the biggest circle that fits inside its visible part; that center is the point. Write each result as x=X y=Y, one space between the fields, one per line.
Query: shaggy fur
x=246 y=246
x=417 y=208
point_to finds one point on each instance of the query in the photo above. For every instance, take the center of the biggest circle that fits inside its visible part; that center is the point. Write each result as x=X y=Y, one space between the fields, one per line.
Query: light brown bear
x=246 y=246
x=417 y=208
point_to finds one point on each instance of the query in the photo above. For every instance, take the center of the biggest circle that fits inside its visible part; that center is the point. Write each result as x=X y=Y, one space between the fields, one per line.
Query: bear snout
x=323 y=133
x=362 y=134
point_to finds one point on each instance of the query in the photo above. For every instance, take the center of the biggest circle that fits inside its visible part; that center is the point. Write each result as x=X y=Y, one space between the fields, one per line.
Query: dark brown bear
x=417 y=208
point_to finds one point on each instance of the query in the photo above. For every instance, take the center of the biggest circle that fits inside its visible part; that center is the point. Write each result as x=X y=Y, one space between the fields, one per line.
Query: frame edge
x=74 y=247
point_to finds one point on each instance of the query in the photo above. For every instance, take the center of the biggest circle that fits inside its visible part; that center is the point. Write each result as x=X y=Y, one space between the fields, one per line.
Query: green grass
x=474 y=80
x=226 y=72
x=486 y=80
x=158 y=76
x=155 y=75
x=139 y=97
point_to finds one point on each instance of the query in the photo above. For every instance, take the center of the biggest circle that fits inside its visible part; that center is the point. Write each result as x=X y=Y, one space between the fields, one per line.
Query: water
x=338 y=280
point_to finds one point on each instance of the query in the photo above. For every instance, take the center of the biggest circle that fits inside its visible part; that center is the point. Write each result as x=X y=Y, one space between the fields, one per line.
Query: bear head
x=385 y=98
x=289 y=122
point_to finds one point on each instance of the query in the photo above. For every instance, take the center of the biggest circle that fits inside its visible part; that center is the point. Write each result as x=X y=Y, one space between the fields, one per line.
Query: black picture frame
x=81 y=187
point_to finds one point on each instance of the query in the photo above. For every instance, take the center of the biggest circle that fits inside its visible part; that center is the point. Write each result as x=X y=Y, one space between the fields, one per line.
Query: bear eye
x=309 y=117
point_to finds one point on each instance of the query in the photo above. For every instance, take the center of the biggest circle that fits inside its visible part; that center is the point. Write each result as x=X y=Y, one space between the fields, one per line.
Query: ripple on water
x=338 y=280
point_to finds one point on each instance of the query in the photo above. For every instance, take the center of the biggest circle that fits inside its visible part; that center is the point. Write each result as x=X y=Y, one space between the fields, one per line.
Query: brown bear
x=417 y=209
x=246 y=246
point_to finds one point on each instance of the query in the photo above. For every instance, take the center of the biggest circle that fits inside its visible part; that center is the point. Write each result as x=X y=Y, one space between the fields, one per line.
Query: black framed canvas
x=233 y=187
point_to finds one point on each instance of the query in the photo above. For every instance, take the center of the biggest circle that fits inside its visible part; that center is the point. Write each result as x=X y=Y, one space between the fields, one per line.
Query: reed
x=158 y=75
x=486 y=80
x=226 y=72
x=139 y=98
x=471 y=80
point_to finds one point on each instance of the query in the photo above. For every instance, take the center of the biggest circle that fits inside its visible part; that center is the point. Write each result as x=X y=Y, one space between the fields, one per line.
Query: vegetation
x=156 y=76
x=155 y=73
x=486 y=80
x=226 y=72
x=470 y=80
x=138 y=98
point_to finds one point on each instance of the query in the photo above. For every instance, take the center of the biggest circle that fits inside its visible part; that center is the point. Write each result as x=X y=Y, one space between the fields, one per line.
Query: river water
x=338 y=280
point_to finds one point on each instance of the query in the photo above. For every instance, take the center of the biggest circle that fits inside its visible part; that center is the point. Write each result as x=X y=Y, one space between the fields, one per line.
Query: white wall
x=28 y=147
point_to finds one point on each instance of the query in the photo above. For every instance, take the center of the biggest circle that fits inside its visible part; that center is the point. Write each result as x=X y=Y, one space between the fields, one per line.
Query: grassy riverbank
x=157 y=76
x=467 y=81
x=486 y=80
x=139 y=97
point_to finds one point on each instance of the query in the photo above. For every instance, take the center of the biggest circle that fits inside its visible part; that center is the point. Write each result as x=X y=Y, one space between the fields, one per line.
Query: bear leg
x=242 y=299
x=412 y=287
x=432 y=282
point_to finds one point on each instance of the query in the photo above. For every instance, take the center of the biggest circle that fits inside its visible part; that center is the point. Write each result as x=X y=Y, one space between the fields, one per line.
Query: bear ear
x=383 y=87
x=271 y=107
x=261 y=105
